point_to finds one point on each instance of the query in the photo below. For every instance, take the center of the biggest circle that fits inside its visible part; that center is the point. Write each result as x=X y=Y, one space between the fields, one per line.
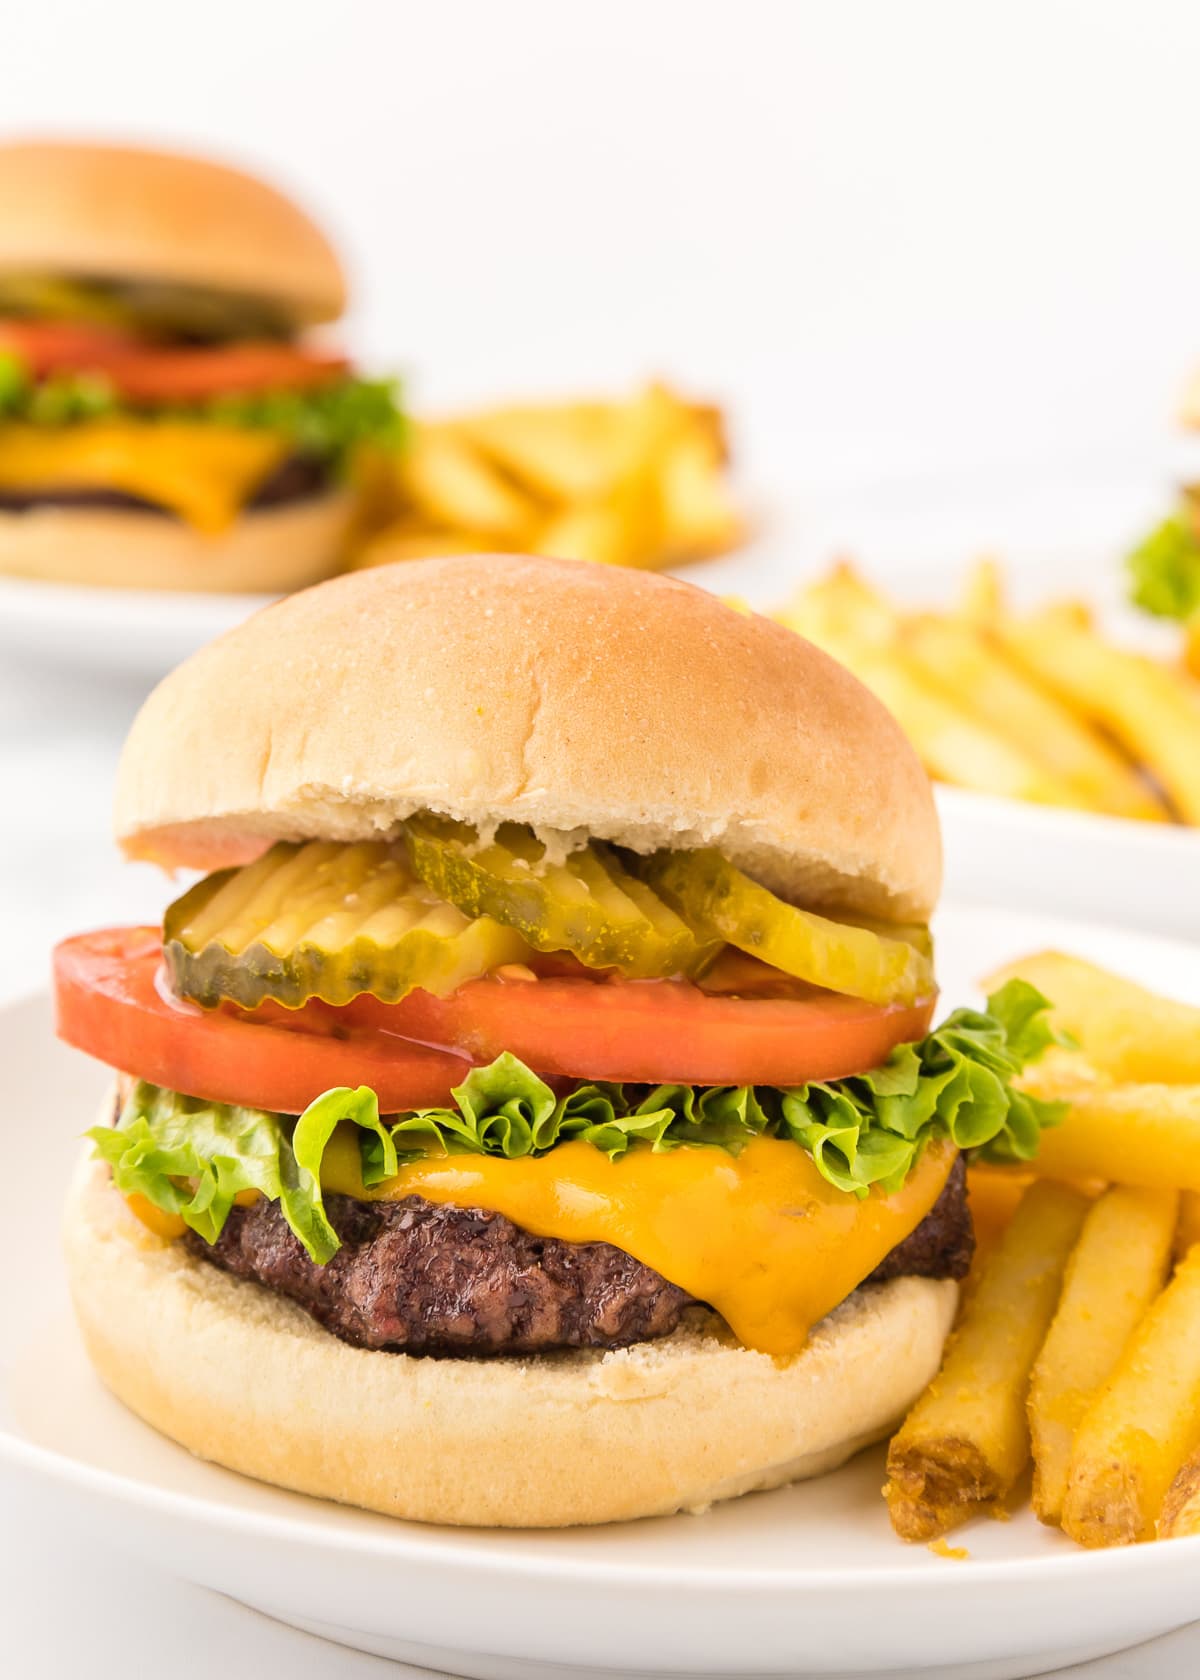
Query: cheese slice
x=204 y=474
x=760 y=1236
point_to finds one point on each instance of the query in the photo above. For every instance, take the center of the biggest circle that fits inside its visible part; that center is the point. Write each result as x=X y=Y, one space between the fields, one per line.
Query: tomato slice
x=155 y=373
x=653 y=1031
x=111 y=1003
x=108 y=1002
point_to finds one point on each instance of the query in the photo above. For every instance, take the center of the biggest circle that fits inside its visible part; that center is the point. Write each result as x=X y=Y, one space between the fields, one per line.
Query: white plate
x=140 y=632
x=808 y=1580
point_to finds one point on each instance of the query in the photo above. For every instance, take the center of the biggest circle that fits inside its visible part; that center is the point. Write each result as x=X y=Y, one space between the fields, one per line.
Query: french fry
x=1151 y=709
x=1181 y=1507
x=986 y=683
x=1144 y=1134
x=1143 y=1426
x=982 y=598
x=451 y=486
x=562 y=452
x=414 y=542
x=696 y=507
x=1187 y=1232
x=966 y=1441
x=622 y=531
x=1117 y=1269
x=1124 y=1030
x=1191 y=647
x=857 y=627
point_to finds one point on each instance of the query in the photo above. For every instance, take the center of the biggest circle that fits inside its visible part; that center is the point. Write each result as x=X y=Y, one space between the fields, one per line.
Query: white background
x=899 y=237
x=911 y=244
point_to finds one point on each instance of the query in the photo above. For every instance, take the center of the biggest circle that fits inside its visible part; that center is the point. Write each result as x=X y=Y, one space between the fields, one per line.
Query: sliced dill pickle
x=585 y=902
x=328 y=921
x=859 y=960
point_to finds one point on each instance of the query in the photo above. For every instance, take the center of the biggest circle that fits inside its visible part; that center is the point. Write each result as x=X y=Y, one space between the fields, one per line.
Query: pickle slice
x=587 y=903
x=857 y=959
x=324 y=920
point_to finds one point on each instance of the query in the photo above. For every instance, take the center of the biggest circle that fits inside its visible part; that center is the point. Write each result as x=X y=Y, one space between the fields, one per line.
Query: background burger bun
x=570 y=696
x=249 y=1381
x=125 y=213
x=268 y=552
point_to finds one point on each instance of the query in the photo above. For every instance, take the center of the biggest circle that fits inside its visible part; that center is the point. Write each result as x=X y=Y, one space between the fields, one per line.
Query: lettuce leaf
x=192 y=1158
x=1164 y=570
x=328 y=423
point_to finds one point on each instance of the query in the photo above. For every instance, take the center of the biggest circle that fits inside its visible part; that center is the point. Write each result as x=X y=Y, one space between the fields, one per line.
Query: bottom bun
x=266 y=553
x=248 y=1380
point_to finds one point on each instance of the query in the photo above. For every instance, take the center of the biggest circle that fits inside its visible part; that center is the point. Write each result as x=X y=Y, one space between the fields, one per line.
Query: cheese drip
x=203 y=473
x=760 y=1236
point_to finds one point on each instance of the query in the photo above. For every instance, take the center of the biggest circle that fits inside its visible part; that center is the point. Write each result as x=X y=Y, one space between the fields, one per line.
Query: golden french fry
x=982 y=600
x=1143 y=1425
x=985 y=682
x=1181 y=1507
x=1191 y=647
x=1152 y=709
x=451 y=486
x=1118 y=1267
x=561 y=452
x=697 y=510
x=966 y=1441
x=1123 y=1029
x=1187 y=1232
x=855 y=625
x=620 y=532
x=415 y=542
x=1147 y=1134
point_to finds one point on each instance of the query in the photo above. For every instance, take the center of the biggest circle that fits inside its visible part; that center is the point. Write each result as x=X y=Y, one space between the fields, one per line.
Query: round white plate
x=808 y=1580
x=139 y=632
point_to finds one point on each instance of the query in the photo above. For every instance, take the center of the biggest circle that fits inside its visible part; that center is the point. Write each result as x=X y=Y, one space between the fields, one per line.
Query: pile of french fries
x=636 y=483
x=1078 y=1345
x=1038 y=706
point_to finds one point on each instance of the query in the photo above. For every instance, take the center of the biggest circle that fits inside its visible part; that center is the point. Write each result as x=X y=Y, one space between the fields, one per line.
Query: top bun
x=570 y=696
x=117 y=212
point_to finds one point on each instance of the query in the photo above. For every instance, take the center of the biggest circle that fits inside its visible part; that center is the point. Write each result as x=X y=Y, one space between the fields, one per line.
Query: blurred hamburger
x=533 y=1117
x=165 y=423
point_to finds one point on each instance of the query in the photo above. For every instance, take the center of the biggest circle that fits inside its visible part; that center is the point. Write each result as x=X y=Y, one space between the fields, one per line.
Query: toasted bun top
x=118 y=212
x=567 y=695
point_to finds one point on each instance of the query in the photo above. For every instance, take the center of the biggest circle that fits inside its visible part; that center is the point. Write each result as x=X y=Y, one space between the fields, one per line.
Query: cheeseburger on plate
x=532 y=1116
x=164 y=422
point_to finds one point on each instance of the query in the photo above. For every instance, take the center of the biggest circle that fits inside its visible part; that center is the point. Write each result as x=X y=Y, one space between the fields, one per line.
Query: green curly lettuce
x=1164 y=570
x=328 y=423
x=192 y=1158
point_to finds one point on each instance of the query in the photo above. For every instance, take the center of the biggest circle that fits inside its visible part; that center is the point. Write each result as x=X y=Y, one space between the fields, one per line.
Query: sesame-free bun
x=574 y=697
x=266 y=552
x=124 y=213
x=244 y=1378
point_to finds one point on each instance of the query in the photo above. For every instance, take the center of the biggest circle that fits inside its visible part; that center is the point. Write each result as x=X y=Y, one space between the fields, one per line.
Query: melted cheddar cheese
x=760 y=1236
x=203 y=473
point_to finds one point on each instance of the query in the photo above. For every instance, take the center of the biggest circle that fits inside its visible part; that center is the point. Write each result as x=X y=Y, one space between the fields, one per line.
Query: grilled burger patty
x=416 y=1277
x=294 y=480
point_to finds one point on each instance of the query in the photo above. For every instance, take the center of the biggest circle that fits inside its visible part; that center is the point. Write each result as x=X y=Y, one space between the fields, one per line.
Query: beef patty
x=417 y=1277
x=294 y=480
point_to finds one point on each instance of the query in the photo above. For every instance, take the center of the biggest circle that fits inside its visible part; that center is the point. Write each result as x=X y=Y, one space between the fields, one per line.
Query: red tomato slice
x=151 y=373
x=111 y=1003
x=108 y=1003
x=653 y=1031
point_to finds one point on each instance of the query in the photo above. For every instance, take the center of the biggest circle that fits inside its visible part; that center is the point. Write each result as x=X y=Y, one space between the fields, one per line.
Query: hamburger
x=531 y=1116
x=165 y=422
